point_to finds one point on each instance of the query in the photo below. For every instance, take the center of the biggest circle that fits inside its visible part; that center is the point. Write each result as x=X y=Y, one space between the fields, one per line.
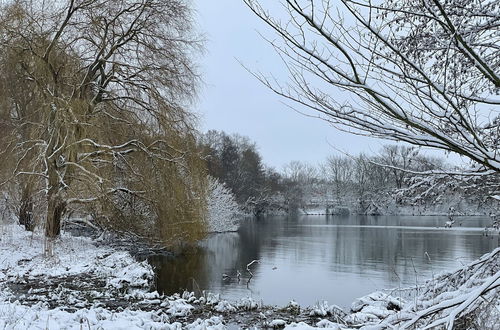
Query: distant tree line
x=235 y=161
x=354 y=182
x=361 y=178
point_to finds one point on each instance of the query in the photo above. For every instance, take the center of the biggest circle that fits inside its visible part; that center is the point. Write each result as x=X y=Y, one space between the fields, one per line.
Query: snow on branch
x=451 y=296
x=414 y=71
x=436 y=172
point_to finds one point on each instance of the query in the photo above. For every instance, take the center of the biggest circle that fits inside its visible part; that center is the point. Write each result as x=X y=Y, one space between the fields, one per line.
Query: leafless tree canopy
x=423 y=72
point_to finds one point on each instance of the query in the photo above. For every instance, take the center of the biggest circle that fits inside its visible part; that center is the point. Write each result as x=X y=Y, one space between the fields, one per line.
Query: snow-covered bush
x=223 y=211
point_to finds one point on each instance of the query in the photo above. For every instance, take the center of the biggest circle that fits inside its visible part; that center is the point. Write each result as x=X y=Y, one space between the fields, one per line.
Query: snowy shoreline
x=89 y=286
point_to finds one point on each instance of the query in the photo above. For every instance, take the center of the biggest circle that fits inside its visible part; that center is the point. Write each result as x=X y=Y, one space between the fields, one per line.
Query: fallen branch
x=250 y=264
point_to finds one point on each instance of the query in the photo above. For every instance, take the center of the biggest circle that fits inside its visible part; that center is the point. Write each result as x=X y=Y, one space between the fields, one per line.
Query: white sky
x=234 y=101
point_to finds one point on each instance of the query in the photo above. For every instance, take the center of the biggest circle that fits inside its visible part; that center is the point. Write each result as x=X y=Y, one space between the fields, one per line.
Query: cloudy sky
x=234 y=101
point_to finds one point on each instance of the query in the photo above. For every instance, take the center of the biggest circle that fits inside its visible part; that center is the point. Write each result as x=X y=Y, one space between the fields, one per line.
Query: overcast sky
x=234 y=101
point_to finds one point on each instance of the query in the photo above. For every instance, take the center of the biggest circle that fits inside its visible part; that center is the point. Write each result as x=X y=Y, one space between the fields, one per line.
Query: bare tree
x=340 y=172
x=300 y=172
x=423 y=72
x=399 y=159
x=362 y=181
x=299 y=181
x=110 y=80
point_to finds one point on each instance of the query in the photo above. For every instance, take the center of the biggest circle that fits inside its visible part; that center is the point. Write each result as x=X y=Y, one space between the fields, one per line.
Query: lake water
x=315 y=258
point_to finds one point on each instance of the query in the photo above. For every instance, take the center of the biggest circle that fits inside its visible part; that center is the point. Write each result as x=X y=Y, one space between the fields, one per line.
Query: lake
x=315 y=258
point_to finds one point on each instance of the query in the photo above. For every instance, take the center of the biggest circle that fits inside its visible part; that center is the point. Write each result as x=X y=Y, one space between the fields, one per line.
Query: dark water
x=314 y=258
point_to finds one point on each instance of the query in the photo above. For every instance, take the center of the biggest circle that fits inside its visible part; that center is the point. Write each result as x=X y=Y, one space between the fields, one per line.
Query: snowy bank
x=82 y=286
x=23 y=259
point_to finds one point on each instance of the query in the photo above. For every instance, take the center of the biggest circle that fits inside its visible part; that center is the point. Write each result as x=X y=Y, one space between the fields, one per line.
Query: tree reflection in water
x=311 y=258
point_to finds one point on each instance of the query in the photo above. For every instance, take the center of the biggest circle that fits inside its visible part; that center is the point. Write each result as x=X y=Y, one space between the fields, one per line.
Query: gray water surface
x=315 y=258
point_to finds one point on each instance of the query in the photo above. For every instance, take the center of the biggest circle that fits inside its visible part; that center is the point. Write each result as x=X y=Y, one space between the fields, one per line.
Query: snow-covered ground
x=16 y=316
x=23 y=258
x=75 y=258
x=84 y=286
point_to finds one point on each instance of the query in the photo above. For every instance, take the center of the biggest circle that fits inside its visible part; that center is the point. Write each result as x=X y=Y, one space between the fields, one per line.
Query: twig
x=250 y=264
x=416 y=281
x=248 y=270
x=432 y=273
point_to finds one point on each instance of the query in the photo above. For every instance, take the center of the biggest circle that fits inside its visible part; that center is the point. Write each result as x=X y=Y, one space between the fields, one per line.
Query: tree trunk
x=26 y=214
x=26 y=211
x=55 y=211
x=56 y=206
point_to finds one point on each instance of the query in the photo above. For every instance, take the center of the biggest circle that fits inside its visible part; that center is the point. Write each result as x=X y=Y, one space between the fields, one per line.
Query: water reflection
x=311 y=258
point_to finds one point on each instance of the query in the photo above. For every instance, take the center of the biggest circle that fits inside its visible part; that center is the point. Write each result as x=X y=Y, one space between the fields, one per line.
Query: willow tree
x=110 y=81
